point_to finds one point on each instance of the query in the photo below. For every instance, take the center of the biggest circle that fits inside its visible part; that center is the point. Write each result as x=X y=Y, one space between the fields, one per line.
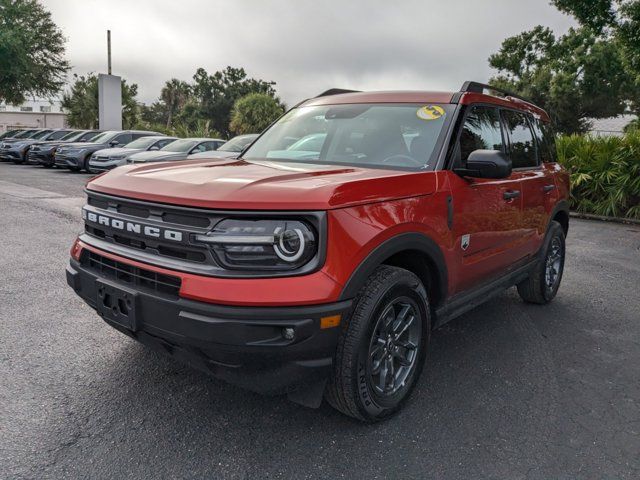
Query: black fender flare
x=561 y=206
x=405 y=241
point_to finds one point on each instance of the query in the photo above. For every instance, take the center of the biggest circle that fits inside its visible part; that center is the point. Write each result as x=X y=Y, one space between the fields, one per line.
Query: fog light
x=288 y=333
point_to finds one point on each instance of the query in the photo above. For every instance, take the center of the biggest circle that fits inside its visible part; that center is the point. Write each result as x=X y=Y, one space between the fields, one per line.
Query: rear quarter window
x=522 y=146
x=546 y=140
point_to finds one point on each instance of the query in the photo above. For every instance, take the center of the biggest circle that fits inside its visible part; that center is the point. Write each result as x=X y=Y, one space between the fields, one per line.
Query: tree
x=174 y=95
x=81 y=102
x=617 y=21
x=254 y=112
x=31 y=52
x=216 y=94
x=576 y=76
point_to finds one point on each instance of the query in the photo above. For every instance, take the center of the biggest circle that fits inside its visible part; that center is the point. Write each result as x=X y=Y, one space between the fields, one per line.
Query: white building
x=37 y=113
x=612 y=126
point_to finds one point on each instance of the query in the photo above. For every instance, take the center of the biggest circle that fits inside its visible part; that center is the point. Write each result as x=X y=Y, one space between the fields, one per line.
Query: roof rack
x=477 y=87
x=335 y=91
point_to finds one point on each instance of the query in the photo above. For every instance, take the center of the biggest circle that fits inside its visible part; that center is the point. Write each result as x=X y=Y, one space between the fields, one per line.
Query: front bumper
x=11 y=155
x=99 y=166
x=244 y=346
x=40 y=157
x=68 y=161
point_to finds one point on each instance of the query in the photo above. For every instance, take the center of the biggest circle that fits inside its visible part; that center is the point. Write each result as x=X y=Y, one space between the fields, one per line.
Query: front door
x=487 y=213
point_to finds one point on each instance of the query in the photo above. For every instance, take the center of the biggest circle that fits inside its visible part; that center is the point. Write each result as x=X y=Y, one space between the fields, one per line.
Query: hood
x=13 y=140
x=117 y=151
x=265 y=185
x=156 y=156
x=84 y=145
x=213 y=155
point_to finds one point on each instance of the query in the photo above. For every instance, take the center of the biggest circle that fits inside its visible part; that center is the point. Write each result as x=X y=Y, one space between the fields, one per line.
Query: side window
x=481 y=131
x=202 y=147
x=123 y=138
x=162 y=143
x=522 y=147
x=546 y=140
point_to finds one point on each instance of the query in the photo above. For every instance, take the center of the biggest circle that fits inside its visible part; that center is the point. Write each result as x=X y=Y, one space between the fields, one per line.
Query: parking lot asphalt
x=510 y=390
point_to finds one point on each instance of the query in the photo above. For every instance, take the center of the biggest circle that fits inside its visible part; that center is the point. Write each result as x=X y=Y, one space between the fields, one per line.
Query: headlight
x=272 y=245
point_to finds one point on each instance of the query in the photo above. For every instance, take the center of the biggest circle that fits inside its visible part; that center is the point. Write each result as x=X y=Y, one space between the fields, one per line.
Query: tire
x=85 y=164
x=354 y=388
x=539 y=287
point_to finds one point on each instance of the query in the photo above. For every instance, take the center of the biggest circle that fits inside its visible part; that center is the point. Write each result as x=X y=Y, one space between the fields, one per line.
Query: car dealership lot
x=510 y=391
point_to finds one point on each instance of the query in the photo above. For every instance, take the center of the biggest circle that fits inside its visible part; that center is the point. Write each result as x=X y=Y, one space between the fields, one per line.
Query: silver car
x=110 y=158
x=231 y=149
x=178 y=150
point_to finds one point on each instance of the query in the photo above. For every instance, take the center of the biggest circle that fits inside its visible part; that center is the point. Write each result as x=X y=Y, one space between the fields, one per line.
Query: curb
x=590 y=216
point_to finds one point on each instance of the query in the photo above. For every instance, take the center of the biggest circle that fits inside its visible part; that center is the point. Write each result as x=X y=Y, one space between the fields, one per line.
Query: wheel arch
x=560 y=214
x=412 y=251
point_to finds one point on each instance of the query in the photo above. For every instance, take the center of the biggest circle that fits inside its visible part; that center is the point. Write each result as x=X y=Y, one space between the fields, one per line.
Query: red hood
x=238 y=184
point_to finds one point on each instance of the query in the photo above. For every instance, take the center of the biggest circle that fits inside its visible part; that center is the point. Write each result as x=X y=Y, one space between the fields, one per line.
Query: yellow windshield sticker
x=430 y=112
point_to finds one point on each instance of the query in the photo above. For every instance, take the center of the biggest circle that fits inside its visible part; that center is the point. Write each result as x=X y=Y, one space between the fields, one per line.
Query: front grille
x=131 y=275
x=176 y=216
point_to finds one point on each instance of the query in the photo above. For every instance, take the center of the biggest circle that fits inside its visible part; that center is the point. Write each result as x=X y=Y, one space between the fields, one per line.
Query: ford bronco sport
x=321 y=270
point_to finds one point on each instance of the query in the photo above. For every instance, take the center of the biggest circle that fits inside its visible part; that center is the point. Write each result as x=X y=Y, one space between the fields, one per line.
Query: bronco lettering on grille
x=132 y=227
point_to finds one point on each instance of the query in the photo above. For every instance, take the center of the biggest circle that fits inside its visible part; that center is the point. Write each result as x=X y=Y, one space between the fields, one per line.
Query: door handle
x=548 y=188
x=509 y=194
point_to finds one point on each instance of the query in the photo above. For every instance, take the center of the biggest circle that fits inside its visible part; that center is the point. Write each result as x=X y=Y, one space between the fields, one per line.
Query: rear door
x=487 y=220
x=538 y=187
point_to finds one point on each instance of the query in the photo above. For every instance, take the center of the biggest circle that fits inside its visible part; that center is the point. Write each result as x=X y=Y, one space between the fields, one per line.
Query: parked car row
x=97 y=151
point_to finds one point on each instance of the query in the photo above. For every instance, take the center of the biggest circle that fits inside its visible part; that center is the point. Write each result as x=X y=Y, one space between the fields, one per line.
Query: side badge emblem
x=464 y=243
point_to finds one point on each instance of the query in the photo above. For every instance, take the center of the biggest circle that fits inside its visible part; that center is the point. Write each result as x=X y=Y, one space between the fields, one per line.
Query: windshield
x=237 y=144
x=88 y=136
x=180 y=146
x=58 y=135
x=370 y=135
x=142 y=142
x=8 y=133
x=25 y=134
x=104 y=137
x=42 y=134
x=70 y=136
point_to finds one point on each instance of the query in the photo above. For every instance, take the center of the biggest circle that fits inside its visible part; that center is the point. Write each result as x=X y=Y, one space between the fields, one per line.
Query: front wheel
x=382 y=346
x=544 y=280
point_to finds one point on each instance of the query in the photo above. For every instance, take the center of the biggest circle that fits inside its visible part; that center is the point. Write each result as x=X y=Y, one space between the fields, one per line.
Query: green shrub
x=254 y=112
x=605 y=173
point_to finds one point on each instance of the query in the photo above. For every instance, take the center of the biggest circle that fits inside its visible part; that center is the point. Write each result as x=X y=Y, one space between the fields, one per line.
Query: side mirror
x=114 y=143
x=486 y=164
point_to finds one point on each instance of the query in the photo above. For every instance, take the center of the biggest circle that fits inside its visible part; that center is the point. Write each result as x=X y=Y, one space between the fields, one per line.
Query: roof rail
x=335 y=91
x=477 y=87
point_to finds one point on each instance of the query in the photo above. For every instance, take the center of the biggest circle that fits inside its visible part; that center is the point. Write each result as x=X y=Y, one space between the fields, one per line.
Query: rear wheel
x=382 y=346
x=544 y=280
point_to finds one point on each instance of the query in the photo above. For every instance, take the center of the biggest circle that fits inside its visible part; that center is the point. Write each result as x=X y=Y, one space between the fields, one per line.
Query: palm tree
x=175 y=95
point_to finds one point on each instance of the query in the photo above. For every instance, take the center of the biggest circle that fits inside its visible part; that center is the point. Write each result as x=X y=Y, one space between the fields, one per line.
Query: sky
x=305 y=46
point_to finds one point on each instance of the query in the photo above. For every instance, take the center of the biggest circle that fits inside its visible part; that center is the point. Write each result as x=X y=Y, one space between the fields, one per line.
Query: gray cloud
x=305 y=46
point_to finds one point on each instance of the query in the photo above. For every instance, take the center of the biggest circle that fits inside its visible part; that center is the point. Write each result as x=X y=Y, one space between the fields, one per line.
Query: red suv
x=318 y=262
